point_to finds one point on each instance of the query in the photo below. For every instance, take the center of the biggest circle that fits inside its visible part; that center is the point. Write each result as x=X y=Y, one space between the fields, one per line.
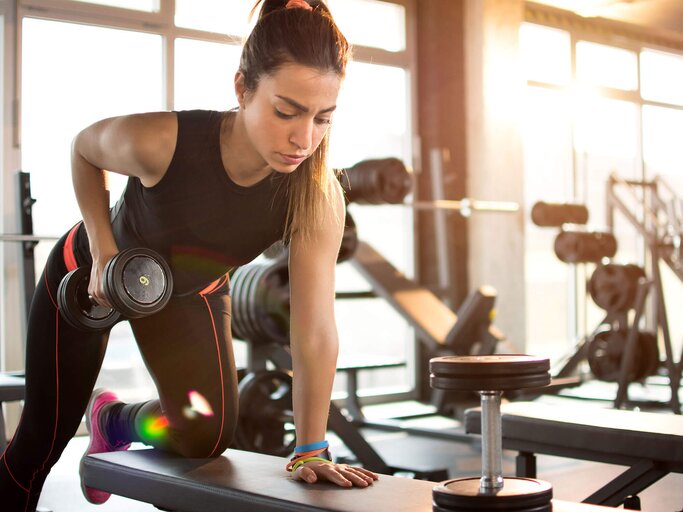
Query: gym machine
x=618 y=349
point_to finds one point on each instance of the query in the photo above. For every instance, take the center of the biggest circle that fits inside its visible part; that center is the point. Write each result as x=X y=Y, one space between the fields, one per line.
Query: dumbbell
x=137 y=282
x=490 y=375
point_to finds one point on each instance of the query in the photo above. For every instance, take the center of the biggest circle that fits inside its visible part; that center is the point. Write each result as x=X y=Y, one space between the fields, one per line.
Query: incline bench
x=650 y=444
x=241 y=481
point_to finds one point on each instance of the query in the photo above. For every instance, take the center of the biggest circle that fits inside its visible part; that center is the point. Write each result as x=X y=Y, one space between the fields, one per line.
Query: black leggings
x=186 y=347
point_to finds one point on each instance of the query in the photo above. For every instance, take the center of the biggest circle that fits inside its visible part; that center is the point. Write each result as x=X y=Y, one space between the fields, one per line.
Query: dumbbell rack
x=659 y=220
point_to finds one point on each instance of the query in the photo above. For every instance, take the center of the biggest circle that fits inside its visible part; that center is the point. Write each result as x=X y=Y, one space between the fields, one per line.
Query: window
x=661 y=77
x=204 y=74
x=606 y=66
x=372 y=23
x=545 y=53
x=221 y=16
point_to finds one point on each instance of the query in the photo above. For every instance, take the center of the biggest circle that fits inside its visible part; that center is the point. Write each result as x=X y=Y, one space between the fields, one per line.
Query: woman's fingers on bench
x=339 y=474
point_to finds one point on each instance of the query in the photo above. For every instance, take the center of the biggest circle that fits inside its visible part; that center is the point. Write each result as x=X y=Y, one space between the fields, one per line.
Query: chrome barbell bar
x=9 y=237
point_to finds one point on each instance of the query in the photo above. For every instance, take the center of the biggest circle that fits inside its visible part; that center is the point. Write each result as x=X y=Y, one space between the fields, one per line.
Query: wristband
x=323 y=454
x=311 y=446
x=301 y=462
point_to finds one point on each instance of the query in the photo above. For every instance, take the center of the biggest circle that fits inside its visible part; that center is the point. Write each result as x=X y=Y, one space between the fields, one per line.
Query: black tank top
x=196 y=217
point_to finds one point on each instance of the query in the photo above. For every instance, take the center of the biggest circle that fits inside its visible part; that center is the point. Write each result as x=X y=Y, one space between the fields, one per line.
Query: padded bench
x=650 y=444
x=244 y=481
x=12 y=388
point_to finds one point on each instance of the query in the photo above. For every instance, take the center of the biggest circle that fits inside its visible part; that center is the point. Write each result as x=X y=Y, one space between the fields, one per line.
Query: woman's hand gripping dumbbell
x=137 y=282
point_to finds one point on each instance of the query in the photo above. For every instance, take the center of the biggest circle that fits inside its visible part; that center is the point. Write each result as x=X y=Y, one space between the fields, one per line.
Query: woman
x=209 y=191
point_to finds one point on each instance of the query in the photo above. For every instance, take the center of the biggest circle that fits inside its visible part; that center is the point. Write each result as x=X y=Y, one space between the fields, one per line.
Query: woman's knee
x=208 y=440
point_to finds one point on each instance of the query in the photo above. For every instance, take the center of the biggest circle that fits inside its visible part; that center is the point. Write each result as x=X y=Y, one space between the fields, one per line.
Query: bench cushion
x=622 y=437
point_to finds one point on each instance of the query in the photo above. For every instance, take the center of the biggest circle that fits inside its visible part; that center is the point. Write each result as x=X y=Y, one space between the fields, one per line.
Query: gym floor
x=572 y=480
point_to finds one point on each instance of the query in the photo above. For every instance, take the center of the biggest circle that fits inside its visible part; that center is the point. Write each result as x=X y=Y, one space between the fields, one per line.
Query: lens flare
x=199 y=404
x=155 y=428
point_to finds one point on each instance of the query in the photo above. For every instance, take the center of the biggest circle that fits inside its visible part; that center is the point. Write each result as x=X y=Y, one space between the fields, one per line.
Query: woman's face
x=289 y=113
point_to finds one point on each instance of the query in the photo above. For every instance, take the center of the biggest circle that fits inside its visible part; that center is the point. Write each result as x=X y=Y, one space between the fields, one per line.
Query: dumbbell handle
x=492 y=434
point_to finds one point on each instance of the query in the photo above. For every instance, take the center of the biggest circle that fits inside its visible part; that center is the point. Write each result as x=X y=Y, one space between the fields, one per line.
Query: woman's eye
x=282 y=115
x=320 y=120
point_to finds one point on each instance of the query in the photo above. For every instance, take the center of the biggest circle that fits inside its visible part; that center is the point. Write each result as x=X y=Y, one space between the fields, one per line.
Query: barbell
x=10 y=237
x=388 y=181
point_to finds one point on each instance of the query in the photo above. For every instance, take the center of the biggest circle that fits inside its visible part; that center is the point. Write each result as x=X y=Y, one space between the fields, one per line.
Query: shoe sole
x=88 y=413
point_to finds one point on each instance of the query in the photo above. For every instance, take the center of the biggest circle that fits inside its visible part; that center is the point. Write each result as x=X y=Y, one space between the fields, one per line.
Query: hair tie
x=302 y=4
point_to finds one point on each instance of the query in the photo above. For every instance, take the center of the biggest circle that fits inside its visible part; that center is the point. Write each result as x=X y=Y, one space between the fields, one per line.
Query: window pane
x=606 y=66
x=74 y=75
x=546 y=53
x=371 y=122
x=371 y=23
x=661 y=77
x=662 y=148
x=547 y=143
x=138 y=5
x=204 y=74
x=222 y=16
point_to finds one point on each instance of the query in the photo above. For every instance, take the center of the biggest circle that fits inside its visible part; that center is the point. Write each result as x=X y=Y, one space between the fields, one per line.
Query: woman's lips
x=292 y=159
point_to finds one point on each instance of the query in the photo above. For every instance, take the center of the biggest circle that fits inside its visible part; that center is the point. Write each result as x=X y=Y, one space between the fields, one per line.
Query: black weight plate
x=255 y=315
x=125 y=276
x=517 y=494
x=240 y=302
x=613 y=287
x=489 y=365
x=273 y=301
x=76 y=307
x=265 y=409
x=540 y=508
x=488 y=383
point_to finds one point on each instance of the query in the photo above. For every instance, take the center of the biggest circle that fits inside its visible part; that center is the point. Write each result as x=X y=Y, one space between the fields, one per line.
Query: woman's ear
x=240 y=88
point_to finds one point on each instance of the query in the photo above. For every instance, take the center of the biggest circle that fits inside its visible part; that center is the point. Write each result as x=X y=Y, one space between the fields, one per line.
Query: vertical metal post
x=492 y=435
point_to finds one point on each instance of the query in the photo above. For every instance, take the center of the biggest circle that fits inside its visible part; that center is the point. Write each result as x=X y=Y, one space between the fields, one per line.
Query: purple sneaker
x=98 y=443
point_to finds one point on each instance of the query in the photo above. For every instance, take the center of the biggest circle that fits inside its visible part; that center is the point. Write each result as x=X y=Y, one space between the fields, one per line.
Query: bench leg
x=526 y=465
x=630 y=482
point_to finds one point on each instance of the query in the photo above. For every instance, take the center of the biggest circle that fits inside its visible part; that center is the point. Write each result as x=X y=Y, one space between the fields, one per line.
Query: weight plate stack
x=265 y=417
x=260 y=298
x=498 y=372
x=517 y=494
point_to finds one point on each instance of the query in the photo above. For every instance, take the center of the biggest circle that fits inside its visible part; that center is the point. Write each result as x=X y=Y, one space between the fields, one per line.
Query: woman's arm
x=138 y=145
x=314 y=340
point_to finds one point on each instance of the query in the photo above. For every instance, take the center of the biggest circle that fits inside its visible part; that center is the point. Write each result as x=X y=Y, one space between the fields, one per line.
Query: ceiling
x=661 y=15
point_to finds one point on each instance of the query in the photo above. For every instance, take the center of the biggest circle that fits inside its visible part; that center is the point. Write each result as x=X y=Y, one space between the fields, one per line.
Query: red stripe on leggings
x=220 y=369
x=68 y=252
x=213 y=286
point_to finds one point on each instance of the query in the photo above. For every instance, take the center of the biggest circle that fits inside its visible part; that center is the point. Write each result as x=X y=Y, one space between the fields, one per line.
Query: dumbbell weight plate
x=265 y=410
x=138 y=282
x=497 y=372
x=77 y=308
x=517 y=494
